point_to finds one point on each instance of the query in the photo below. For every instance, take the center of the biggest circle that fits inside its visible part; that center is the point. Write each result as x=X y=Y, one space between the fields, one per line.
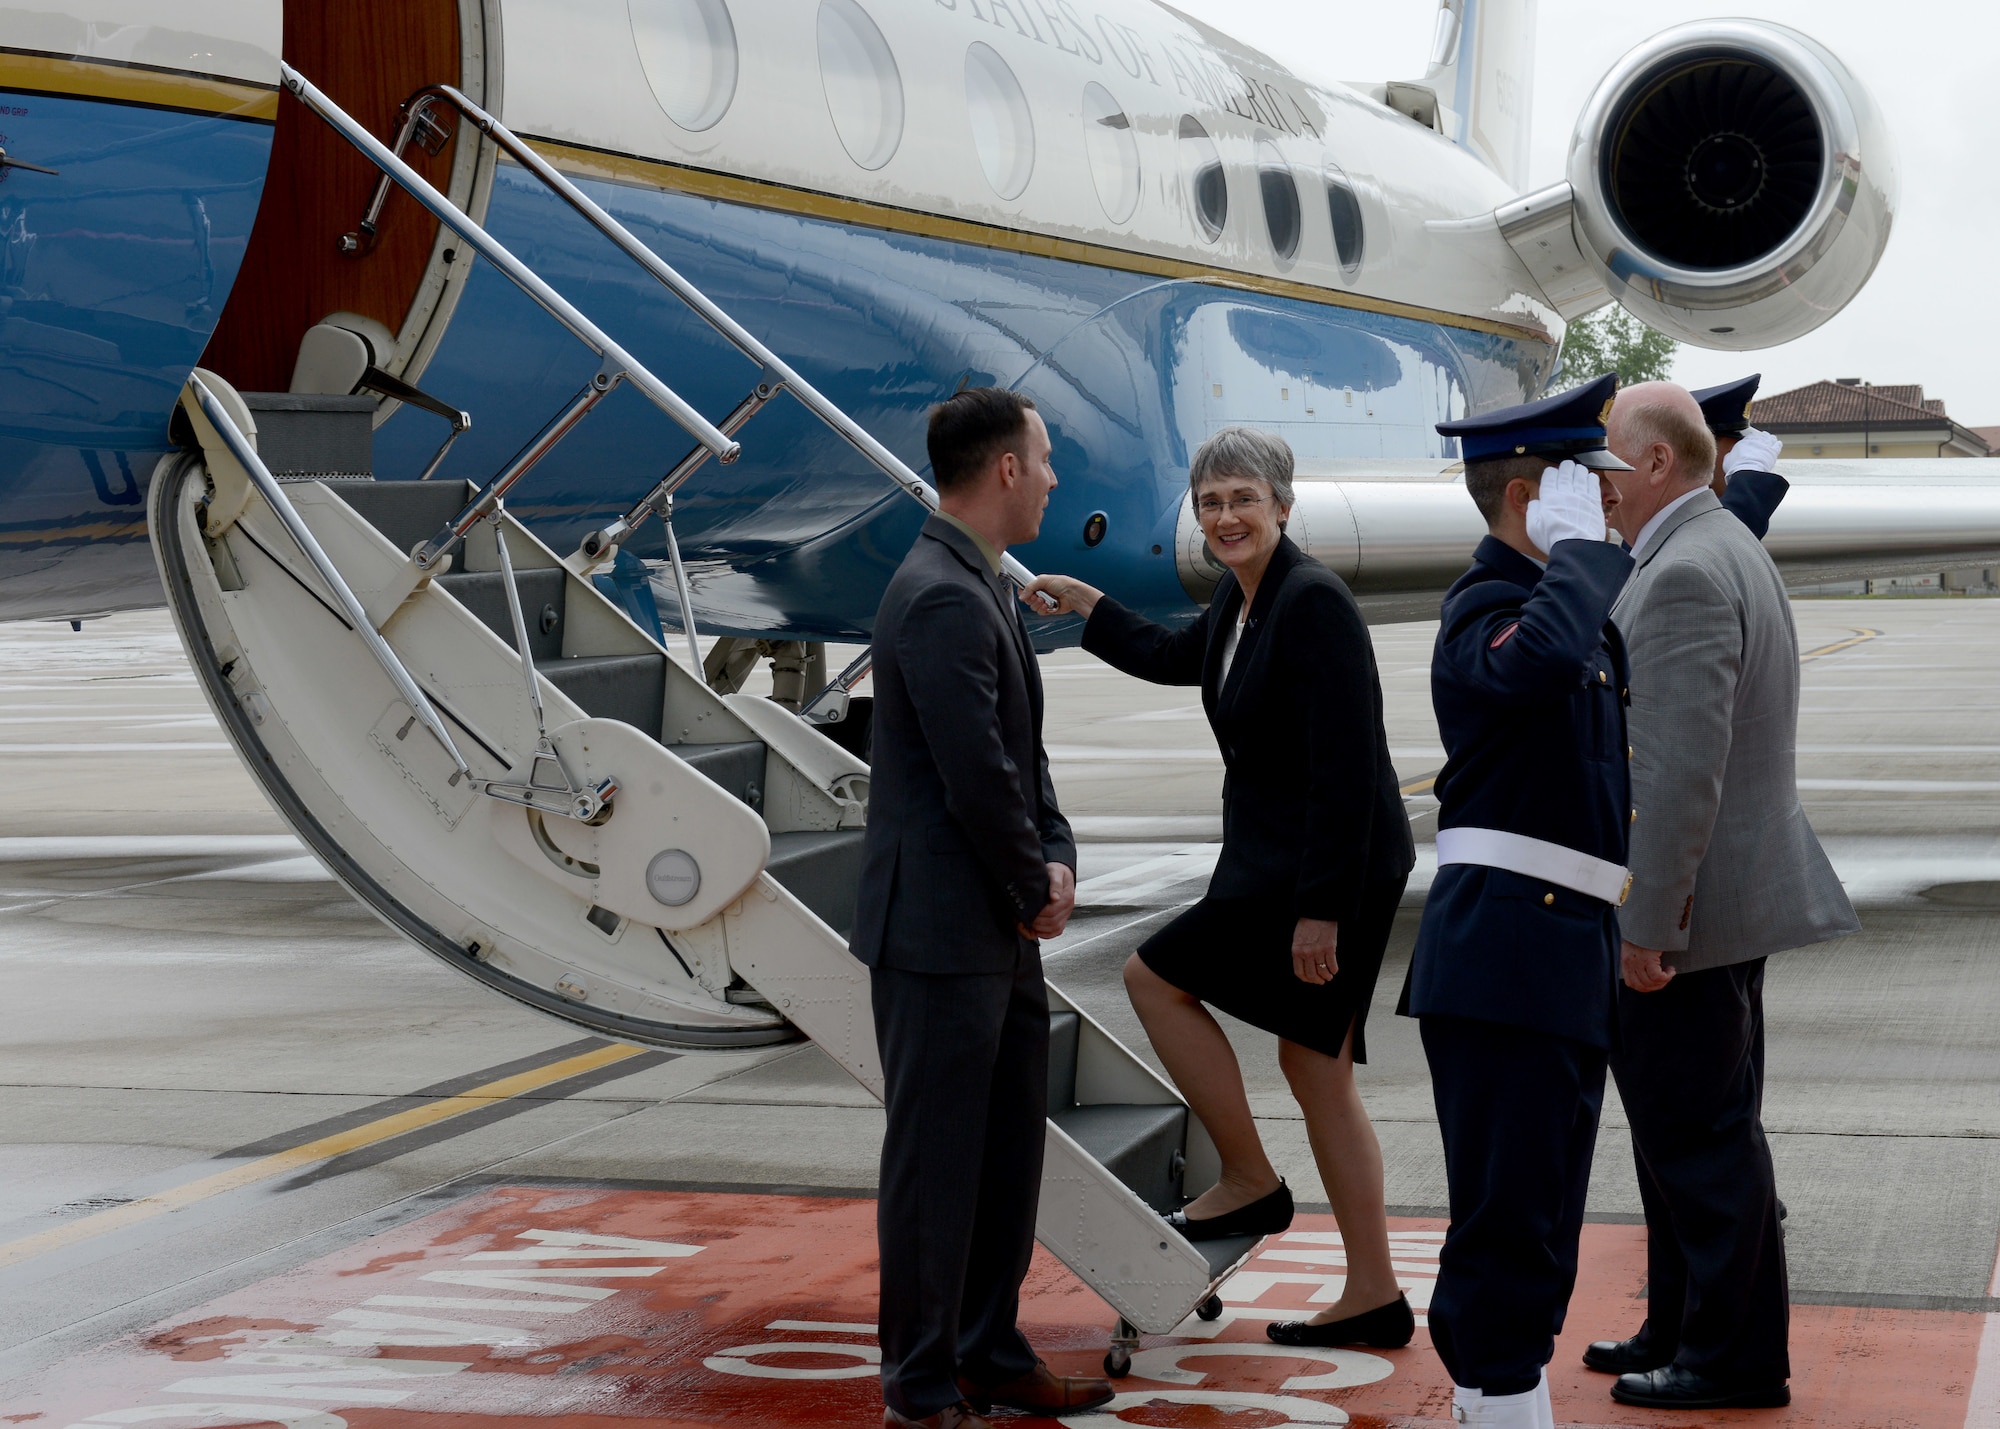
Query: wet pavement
x=243 y=1127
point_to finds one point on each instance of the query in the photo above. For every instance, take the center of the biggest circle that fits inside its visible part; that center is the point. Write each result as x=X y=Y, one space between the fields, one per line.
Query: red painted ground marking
x=530 y=1307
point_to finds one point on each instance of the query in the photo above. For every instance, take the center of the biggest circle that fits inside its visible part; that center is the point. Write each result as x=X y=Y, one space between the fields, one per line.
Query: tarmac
x=263 y=1162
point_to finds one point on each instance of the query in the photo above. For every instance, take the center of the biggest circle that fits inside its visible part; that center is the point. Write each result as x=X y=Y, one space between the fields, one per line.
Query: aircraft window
x=1345 y=210
x=1281 y=199
x=688 y=49
x=1207 y=184
x=864 y=90
x=1113 y=152
x=1003 y=131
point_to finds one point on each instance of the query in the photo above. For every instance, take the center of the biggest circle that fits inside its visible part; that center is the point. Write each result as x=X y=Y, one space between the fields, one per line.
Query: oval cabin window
x=1281 y=200
x=1208 y=186
x=1344 y=208
x=1113 y=152
x=1003 y=131
x=688 y=49
x=864 y=91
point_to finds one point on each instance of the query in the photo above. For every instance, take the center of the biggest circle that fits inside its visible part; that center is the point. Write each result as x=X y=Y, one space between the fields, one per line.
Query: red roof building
x=1849 y=418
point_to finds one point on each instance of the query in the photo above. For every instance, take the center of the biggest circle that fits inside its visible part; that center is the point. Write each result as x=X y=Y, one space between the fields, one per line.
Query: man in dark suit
x=1516 y=958
x=969 y=864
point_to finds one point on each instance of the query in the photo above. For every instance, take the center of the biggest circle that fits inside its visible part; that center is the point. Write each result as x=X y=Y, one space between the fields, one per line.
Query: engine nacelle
x=1733 y=183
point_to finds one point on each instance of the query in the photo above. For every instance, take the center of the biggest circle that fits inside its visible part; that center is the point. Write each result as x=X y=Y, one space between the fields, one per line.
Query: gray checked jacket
x=1725 y=867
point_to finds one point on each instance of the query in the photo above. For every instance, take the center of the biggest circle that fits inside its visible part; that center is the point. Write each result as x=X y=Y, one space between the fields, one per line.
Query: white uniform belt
x=1535 y=858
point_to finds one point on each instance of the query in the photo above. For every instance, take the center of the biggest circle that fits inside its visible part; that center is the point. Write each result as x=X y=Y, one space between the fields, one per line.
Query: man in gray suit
x=969 y=863
x=1725 y=871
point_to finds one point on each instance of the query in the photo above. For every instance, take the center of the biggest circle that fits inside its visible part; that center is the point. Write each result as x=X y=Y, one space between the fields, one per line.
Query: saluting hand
x=1568 y=507
x=1314 y=945
x=1754 y=451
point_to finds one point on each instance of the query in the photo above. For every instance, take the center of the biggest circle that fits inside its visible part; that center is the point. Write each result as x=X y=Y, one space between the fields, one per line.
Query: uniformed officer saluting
x=1517 y=957
x=1746 y=460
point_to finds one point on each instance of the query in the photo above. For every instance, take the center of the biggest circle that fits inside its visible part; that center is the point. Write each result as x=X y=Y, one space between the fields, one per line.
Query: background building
x=1851 y=418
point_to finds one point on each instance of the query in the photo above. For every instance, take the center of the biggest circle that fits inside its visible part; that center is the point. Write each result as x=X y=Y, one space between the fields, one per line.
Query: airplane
x=372 y=339
x=1151 y=229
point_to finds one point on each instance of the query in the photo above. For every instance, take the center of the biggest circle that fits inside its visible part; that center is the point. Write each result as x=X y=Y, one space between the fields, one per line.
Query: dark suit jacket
x=1310 y=808
x=962 y=817
x=1529 y=681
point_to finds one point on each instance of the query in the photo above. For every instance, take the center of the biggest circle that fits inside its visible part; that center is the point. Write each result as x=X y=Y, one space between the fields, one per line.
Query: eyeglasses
x=1242 y=505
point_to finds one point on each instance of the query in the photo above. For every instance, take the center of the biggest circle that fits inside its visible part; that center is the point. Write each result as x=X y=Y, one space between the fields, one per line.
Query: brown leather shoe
x=953 y=1416
x=1041 y=1392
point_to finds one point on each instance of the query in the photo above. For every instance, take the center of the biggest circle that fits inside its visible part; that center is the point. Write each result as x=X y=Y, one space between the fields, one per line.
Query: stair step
x=407 y=512
x=1137 y=1144
x=484 y=593
x=822 y=870
x=632 y=688
x=1064 y=1030
x=1221 y=1254
x=737 y=767
x=308 y=436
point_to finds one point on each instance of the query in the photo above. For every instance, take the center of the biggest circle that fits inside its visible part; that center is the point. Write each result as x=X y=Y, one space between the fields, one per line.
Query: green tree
x=1612 y=340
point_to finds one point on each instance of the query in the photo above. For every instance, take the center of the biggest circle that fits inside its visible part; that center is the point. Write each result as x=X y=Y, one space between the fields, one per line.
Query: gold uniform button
x=1635 y=817
x=1602 y=678
x=1549 y=899
x=1628 y=751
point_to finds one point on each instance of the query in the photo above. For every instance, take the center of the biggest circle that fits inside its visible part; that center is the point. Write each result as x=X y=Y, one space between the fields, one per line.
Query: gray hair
x=1243 y=451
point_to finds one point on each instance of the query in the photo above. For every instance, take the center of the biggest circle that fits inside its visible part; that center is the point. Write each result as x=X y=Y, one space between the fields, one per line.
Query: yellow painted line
x=810 y=203
x=1861 y=636
x=338 y=1144
x=132 y=84
x=1419 y=786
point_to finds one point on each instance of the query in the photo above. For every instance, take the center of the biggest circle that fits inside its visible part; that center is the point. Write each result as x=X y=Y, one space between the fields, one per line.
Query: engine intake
x=1733 y=183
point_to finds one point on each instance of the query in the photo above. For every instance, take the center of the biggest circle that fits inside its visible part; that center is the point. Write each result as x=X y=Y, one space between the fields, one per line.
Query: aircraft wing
x=1400 y=532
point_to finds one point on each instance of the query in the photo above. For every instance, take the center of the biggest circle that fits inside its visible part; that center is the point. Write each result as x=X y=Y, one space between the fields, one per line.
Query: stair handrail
x=857 y=436
x=618 y=364
x=356 y=614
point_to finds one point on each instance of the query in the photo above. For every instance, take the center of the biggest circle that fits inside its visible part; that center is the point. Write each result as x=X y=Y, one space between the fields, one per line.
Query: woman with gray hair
x=1315 y=852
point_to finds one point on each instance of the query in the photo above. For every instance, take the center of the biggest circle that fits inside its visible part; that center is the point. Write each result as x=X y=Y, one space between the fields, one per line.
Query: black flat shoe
x=1386 y=1327
x=1265 y=1216
x=1676 y=1388
x=1634 y=1356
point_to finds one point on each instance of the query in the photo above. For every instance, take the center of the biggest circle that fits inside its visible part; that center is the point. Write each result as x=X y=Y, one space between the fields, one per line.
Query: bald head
x=1649 y=413
x=1657 y=429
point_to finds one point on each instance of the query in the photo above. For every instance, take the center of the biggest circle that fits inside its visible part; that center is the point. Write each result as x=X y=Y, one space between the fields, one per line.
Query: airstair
x=490 y=754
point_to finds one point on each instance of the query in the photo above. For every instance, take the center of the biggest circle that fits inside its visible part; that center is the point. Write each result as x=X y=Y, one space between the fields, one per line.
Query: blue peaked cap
x=1726 y=409
x=1567 y=426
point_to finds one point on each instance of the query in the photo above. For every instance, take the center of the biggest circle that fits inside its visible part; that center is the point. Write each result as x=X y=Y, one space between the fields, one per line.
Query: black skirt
x=1235 y=954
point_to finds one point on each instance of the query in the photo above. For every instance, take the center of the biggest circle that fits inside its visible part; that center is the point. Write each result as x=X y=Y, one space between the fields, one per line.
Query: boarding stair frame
x=378 y=701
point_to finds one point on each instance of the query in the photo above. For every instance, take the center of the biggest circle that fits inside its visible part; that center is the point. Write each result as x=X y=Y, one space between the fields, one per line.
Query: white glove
x=1754 y=451
x=1569 y=508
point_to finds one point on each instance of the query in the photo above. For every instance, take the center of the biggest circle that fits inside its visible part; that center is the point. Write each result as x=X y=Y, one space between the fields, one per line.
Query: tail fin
x=1482 y=71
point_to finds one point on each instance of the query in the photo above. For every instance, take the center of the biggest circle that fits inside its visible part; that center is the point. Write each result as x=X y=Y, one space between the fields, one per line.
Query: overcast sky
x=1931 y=313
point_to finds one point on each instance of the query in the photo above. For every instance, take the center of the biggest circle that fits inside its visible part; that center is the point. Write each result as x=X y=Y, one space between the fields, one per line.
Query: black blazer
x=962 y=817
x=1310 y=808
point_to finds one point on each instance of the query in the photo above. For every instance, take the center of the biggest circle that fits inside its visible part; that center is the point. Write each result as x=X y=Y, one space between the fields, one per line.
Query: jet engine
x=1731 y=183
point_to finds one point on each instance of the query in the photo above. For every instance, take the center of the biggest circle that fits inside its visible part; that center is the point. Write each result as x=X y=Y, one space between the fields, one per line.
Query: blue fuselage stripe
x=112 y=276
x=800 y=535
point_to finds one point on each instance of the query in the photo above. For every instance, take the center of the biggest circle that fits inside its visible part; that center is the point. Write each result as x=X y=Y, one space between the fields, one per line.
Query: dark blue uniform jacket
x=1529 y=682
x=1752 y=497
